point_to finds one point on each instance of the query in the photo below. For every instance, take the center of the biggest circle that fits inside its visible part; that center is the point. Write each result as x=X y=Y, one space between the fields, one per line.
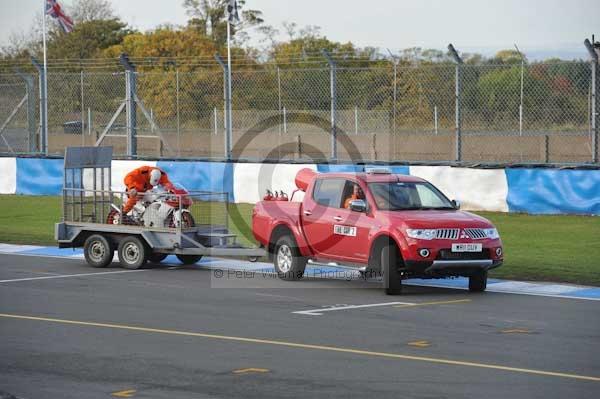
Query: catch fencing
x=448 y=112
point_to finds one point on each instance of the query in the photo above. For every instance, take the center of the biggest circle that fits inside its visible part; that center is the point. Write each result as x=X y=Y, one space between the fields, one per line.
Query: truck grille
x=447 y=234
x=476 y=234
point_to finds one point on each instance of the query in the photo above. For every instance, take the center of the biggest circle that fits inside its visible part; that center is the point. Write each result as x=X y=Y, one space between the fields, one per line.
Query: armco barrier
x=476 y=189
x=535 y=191
x=344 y=168
x=553 y=191
x=201 y=176
x=8 y=175
x=39 y=176
x=251 y=180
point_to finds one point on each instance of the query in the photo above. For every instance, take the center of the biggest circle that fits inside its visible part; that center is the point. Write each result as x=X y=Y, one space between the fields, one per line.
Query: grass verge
x=551 y=248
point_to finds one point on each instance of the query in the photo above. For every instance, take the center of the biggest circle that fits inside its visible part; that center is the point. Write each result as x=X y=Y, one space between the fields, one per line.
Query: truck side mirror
x=456 y=204
x=358 y=205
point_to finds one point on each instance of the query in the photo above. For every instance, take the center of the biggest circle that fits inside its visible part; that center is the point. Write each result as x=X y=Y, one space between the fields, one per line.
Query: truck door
x=318 y=212
x=351 y=228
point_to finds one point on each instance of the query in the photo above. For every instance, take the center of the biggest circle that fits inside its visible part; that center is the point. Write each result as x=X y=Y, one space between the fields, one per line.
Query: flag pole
x=229 y=132
x=44 y=116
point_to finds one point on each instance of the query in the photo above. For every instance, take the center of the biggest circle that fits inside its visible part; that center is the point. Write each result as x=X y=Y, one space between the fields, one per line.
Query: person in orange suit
x=141 y=180
x=356 y=194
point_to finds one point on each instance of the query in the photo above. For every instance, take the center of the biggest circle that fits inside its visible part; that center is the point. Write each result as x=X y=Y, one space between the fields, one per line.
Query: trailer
x=188 y=224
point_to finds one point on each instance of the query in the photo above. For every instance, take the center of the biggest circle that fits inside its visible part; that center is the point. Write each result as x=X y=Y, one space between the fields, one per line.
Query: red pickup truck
x=378 y=222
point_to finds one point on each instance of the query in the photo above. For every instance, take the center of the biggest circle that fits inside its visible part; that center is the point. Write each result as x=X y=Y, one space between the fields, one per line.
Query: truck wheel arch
x=376 y=247
x=278 y=231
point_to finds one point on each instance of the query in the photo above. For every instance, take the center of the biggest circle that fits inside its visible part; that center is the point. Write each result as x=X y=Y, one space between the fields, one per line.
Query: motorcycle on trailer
x=157 y=208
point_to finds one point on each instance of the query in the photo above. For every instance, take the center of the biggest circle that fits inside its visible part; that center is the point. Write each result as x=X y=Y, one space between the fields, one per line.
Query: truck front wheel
x=478 y=281
x=289 y=263
x=390 y=260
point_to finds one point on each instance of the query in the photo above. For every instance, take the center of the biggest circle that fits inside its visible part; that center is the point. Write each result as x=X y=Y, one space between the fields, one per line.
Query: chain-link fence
x=446 y=112
x=18 y=114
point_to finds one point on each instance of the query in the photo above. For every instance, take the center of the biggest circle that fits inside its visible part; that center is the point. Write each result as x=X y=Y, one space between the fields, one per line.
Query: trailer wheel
x=392 y=280
x=289 y=263
x=133 y=253
x=98 y=251
x=157 y=257
x=189 y=259
x=478 y=281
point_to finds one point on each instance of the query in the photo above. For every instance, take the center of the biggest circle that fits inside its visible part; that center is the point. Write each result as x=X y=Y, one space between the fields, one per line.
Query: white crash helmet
x=155 y=176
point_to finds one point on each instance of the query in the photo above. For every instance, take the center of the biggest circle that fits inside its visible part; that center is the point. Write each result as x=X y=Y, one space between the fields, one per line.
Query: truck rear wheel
x=390 y=260
x=133 y=253
x=189 y=259
x=98 y=251
x=478 y=281
x=289 y=263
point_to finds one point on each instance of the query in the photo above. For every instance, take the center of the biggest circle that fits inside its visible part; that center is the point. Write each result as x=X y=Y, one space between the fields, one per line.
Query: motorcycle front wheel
x=187 y=220
x=114 y=217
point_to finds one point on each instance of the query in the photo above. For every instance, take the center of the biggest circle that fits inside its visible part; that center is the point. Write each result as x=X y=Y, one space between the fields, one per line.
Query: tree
x=88 y=39
x=91 y=10
x=209 y=17
x=506 y=57
x=166 y=43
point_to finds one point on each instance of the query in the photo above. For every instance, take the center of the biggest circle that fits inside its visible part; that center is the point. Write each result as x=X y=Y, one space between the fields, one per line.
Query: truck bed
x=266 y=212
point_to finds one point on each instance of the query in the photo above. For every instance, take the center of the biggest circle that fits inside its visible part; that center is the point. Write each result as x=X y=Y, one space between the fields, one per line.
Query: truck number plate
x=344 y=230
x=467 y=247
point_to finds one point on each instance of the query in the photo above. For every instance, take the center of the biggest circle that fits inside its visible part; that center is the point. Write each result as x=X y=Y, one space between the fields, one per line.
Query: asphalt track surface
x=179 y=332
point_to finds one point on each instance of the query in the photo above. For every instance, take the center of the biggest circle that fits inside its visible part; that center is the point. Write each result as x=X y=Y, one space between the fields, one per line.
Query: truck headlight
x=492 y=233
x=421 y=234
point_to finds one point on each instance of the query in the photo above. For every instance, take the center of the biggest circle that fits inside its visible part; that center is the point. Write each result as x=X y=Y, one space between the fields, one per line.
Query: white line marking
x=69 y=275
x=43 y=256
x=10 y=248
x=319 y=312
x=491 y=289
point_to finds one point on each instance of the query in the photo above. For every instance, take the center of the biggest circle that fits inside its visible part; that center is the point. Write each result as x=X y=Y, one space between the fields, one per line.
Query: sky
x=548 y=27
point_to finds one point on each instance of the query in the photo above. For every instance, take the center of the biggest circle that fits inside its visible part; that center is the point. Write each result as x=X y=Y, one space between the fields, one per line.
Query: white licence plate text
x=467 y=247
x=344 y=230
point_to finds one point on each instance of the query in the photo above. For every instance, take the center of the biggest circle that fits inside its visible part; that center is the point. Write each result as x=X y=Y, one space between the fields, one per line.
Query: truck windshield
x=397 y=196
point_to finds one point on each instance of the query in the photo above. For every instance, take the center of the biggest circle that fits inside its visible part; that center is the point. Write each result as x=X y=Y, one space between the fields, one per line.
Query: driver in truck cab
x=357 y=194
x=141 y=180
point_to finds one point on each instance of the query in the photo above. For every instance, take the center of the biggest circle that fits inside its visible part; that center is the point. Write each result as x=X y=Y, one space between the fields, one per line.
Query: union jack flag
x=55 y=11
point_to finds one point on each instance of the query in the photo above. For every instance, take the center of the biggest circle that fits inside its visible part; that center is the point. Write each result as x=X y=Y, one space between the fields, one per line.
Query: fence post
x=82 y=110
x=279 y=95
x=130 y=105
x=178 y=117
x=457 y=101
x=29 y=89
x=227 y=98
x=333 y=90
x=594 y=51
x=395 y=94
x=43 y=139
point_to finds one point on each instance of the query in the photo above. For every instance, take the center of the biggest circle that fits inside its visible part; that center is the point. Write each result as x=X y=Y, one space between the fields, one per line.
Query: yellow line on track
x=124 y=394
x=306 y=346
x=250 y=370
